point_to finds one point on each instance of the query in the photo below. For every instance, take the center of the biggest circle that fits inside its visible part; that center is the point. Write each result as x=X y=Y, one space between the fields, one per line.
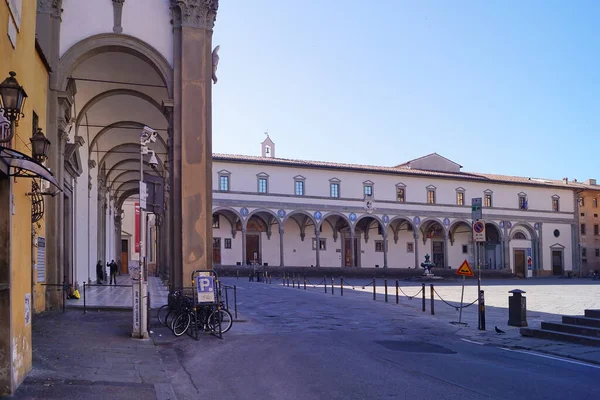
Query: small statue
x=215 y=63
x=427 y=265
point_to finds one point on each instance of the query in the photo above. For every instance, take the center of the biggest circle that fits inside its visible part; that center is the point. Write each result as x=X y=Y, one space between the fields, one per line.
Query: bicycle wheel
x=224 y=316
x=181 y=323
x=162 y=313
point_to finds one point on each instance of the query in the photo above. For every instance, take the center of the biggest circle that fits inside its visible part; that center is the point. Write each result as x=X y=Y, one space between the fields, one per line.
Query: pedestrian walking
x=99 y=272
x=113 y=272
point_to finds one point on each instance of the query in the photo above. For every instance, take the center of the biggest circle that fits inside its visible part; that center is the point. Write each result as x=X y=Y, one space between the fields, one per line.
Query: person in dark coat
x=113 y=272
x=99 y=272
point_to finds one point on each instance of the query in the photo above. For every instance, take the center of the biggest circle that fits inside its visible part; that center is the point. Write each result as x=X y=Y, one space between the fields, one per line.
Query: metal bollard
x=423 y=291
x=304 y=281
x=293 y=280
x=235 y=300
x=342 y=286
x=237 y=273
x=84 y=305
x=386 y=293
x=481 y=311
x=432 y=302
x=325 y=283
x=397 y=299
x=298 y=280
x=332 y=285
x=374 y=290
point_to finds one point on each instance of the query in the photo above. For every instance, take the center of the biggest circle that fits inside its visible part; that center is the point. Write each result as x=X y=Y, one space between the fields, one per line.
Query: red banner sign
x=137 y=228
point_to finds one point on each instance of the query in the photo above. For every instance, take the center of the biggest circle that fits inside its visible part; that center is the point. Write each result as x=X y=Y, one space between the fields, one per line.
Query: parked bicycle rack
x=206 y=294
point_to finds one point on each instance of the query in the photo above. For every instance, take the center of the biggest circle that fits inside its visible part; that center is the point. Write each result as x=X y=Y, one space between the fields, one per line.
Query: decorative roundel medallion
x=385 y=219
x=508 y=224
x=417 y=220
x=244 y=212
x=537 y=226
x=501 y=224
x=318 y=215
x=352 y=217
x=446 y=221
x=281 y=213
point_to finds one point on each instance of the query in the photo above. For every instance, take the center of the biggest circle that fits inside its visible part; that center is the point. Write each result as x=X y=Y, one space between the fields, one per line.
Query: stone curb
x=553 y=353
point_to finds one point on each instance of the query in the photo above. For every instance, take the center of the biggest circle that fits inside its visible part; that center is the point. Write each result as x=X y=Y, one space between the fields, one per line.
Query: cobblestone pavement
x=119 y=297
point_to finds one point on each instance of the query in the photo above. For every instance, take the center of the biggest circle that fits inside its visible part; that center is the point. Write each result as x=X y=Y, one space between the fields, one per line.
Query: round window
x=556 y=233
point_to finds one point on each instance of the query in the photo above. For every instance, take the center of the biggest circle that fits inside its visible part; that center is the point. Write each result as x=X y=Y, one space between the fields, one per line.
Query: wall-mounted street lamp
x=12 y=101
x=39 y=146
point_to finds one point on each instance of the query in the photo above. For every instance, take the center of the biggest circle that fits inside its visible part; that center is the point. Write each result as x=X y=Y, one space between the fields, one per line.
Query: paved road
x=305 y=344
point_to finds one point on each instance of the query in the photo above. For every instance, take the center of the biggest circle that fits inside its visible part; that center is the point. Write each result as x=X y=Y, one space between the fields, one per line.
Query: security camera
x=153 y=160
x=149 y=134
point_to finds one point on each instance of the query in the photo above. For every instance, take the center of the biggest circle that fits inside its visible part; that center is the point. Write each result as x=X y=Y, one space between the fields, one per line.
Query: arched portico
x=331 y=227
x=372 y=226
x=523 y=245
x=435 y=240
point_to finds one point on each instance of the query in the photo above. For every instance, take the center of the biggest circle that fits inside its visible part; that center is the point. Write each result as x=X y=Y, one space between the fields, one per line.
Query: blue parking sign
x=206 y=289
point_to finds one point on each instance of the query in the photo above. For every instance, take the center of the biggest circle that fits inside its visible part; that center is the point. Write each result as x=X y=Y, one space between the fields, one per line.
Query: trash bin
x=517 y=308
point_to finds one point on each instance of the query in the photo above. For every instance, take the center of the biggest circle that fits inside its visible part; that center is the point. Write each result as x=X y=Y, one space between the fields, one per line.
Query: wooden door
x=348 y=252
x=557 y=262
x=217 y=251
x=124 y=256
x=252 y=246
x=438 y=253
x=520 y=262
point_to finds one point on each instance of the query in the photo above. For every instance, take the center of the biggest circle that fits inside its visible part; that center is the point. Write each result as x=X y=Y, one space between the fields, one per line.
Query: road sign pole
x=462 y=295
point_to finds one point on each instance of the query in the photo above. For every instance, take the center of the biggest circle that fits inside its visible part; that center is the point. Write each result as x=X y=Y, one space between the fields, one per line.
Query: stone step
x=564 y=337
x=592 y=314
x=581 y=320
x=573 y=329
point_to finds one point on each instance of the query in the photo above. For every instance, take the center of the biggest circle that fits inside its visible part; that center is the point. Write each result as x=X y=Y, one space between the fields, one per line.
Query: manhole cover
x=414 y=347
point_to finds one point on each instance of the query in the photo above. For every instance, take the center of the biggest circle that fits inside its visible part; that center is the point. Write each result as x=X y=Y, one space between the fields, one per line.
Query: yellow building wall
x=33 y=76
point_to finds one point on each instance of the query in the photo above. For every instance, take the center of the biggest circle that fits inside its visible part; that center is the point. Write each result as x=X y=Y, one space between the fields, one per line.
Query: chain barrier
x=410 y=297
x=455 y=307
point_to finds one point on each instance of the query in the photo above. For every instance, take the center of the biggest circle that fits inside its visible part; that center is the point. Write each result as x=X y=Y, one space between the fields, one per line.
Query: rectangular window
x=228 y=243
x=460 y=198
x=335 y=190
x=583 y=252
x=368 y=190
x=595 y=215
x=465 y=249
x=581 y=202
x=322 y=244
x=523 y=202
x=224 y=183
x=583 y=229
x=487 y=200
x=216 y=222
x=410 y=247
x=555 y=205
x=379 y=246
x=595 y=202
x=262 y=185
x=400 y=195
x=582 y=214
x=299 y=188
x=216 y=243
x=597 y=252
x=596 y=231
x=430 y=196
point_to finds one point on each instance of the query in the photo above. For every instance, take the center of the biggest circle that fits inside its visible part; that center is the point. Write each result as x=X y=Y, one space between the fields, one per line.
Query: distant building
x=589 y=226
x=283 y=212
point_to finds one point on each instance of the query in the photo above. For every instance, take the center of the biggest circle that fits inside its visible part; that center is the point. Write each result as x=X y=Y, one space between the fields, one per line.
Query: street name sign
x=465 y=269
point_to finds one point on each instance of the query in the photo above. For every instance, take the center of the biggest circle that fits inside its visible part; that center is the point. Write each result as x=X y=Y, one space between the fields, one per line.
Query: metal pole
x=397 y=291
x=482 y=311
x=386 y=292
x=423 y=291
x=374 y=288
x=432 y=302
x=479 y=283
x=342 y=286
x=304 y=275
x=462 y=295
x=325 y=283
x=332 y=285
x=84 y=304
x=64 y=295
x=235 y=300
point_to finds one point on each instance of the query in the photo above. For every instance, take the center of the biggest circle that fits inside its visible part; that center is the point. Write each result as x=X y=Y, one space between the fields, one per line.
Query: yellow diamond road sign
x=465 y=269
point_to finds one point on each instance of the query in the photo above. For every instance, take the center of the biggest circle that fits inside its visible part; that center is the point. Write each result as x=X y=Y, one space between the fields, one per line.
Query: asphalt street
x=308 y=345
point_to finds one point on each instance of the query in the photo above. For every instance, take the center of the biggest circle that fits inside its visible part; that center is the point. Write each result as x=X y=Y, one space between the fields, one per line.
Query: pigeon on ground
x=498 y=331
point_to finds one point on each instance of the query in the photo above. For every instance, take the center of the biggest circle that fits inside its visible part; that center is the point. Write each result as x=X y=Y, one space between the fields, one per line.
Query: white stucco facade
x=530 y=223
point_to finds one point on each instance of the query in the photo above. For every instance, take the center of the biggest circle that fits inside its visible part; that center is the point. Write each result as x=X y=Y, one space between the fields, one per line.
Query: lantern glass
x=39 y=146
x=12 y=97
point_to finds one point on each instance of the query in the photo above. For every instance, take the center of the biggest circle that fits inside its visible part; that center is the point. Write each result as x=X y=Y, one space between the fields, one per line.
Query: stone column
x=416 y=237
x=243 y=245
x=317 y=251
x=117 y=239
x=352 y=247
x=446 y=254
x=193 y=22
x=281 y=261
x=385 y=250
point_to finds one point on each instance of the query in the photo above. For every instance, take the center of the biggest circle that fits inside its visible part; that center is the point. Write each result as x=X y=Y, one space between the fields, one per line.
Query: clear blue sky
x=509 y=87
